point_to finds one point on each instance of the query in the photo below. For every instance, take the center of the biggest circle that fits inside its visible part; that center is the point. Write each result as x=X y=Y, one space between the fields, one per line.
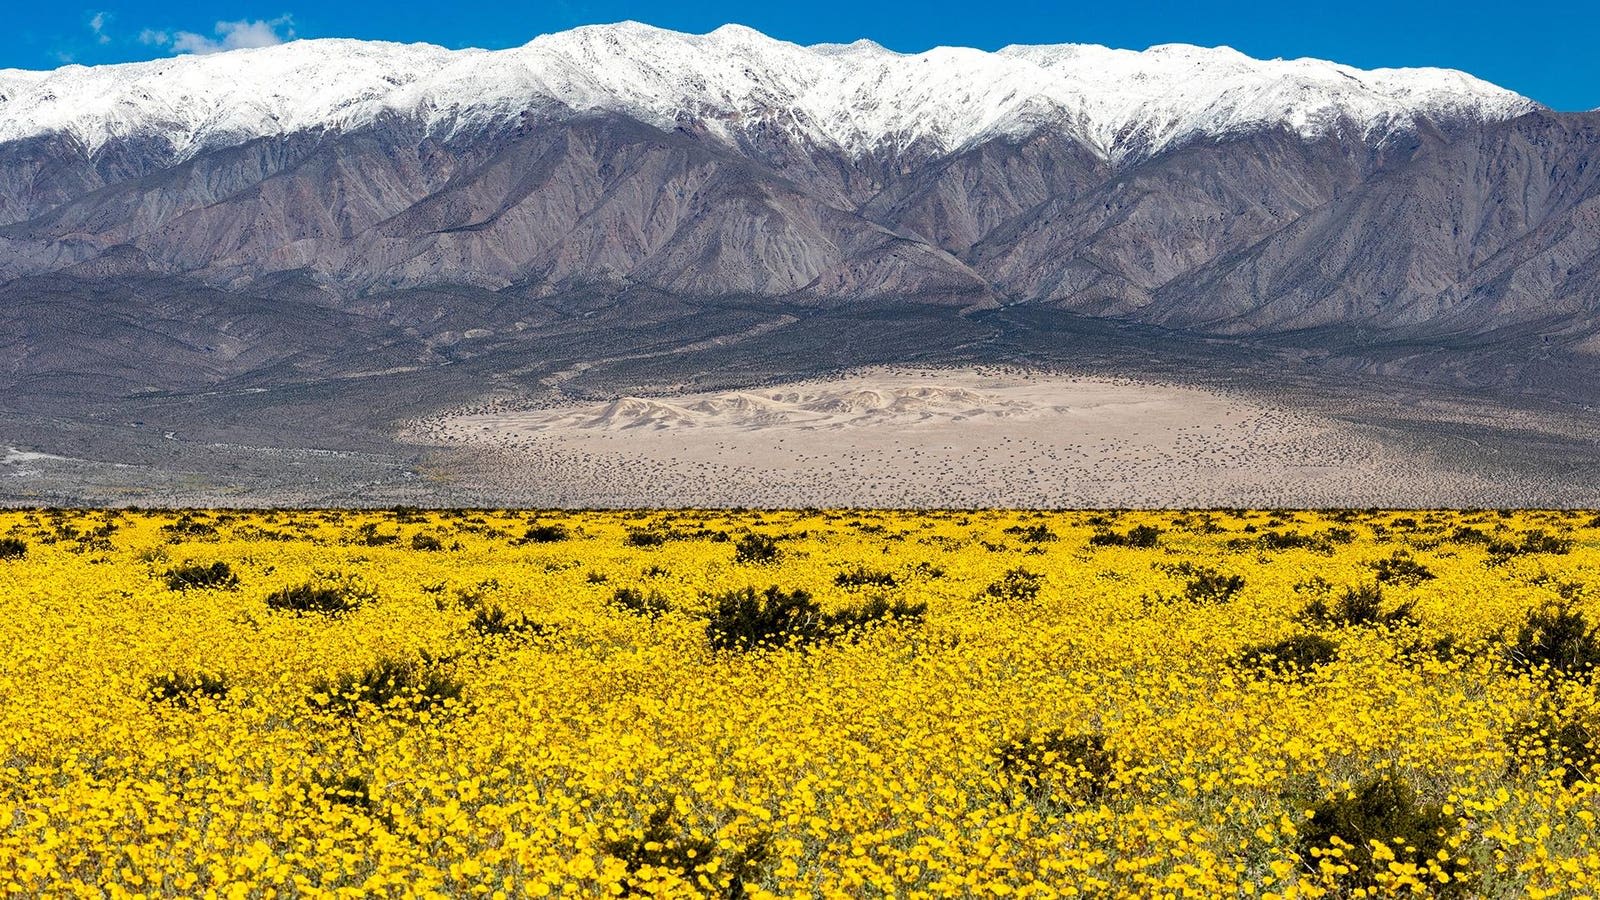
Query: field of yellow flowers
x=798 y=704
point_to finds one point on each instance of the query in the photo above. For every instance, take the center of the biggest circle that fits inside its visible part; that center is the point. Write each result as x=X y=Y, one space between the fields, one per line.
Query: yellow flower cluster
x=951 y=704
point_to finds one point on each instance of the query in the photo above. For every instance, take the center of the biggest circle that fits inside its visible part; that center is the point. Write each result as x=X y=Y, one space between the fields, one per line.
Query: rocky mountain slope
x=619 y=167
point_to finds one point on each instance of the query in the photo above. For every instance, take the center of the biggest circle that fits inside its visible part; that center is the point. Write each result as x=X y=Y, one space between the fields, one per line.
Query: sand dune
x=942 y=438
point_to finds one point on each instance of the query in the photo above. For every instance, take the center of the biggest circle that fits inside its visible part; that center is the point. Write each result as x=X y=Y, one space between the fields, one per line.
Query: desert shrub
x=646 y=537
x=1143 y=536
x=426 y=542
x=13 y=548
x=1057 y=763
x=351 y=791
x=1337 y=536
x=1469 y=535
x=756 y=549
x=1361 y=605
x=1445 y=648
x=1288 y=540
x=665 y=846
x=1384 y=810
x=201 y=577
x=1400 y=568
x=185 y=690
x=551 y=533
x=187 y=526
x=1032 y=534
x=1558 y=638
x=878 y=609
x=1566 y=590
x=639 y=603
x=1208 y=586
x=745 y=620
x=494 y=621
x=390 y=683
x=1016 y=586
x=368 y=535
x=1531 y=542
x=326 y=594
x=1294 y=655
x=863 y=577
x=1549 y=743
x=1315 y=585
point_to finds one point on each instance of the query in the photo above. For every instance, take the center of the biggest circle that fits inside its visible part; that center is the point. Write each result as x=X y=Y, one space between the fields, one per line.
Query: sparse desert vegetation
x=703 y=703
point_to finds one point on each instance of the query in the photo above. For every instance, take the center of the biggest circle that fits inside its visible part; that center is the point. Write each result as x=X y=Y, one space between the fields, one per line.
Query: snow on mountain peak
x=854 y=97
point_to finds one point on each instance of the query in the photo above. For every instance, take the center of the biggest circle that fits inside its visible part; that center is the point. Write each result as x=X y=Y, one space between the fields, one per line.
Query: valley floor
x=751 y=406
x=961 y=437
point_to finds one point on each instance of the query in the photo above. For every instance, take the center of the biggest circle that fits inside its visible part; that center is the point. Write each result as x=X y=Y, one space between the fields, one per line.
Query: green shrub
x=327 y=595
x=745 y=620
x=1558 y=638
x=426 y=543
x=1142 y=536
x=1295 y=655
x=546 y=534
x=1359 y=606
x=666 y=846
x=215 y=576
x=13 y=548
x=1386 y=810
x=1289 y=540
x=1032 y=534
x=1016 y=586
x=646 y=537
x=494 y=621
x=862 y=577
x=1535 y=541
x=388 y=684
x=639 y=603
x=368 y=535
x=756 y=549
x=351 y=791
x=186 y=690
x=878 y=609
x=1058 y=764
x=1400 y=568
x=187 y=526
x=1548 y=743
x=1208 y=586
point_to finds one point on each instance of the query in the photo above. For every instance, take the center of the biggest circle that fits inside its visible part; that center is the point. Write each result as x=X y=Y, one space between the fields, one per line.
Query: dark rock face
x=1495 y=227
x=1451 y=228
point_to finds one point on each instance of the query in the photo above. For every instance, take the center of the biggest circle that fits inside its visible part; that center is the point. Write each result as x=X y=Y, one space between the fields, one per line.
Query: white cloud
x=97 y=24
x=227 y=36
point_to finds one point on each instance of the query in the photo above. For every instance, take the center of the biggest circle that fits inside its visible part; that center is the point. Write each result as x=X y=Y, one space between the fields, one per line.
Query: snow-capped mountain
x=461 y=198
x=735 y=83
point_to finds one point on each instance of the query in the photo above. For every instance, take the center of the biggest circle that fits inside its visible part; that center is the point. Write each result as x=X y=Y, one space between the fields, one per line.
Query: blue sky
x=1549 y=51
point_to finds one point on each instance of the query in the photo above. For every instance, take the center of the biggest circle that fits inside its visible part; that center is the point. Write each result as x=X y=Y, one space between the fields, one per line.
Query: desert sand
x=943 y=438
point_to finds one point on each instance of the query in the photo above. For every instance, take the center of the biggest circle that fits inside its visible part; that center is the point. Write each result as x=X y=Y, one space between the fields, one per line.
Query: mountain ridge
x=739 y=173
x=1122 y=103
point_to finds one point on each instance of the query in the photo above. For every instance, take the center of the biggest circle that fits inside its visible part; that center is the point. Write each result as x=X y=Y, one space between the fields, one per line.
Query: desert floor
x=901 y=437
